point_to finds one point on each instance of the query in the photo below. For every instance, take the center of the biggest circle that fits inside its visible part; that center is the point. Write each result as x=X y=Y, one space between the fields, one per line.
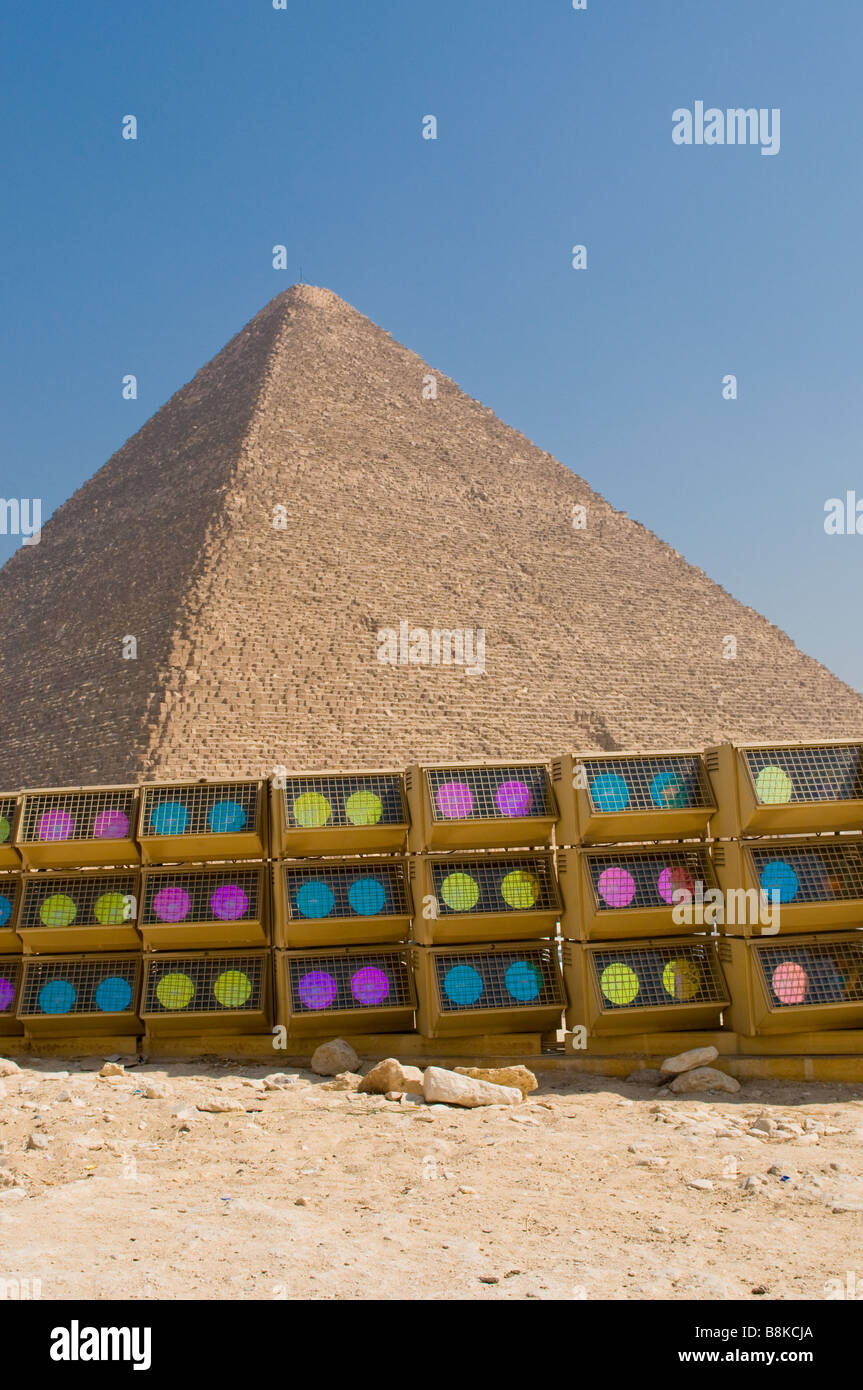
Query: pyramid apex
x=315 y=295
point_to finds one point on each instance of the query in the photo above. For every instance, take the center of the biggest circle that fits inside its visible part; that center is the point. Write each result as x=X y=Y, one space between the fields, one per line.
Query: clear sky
x=259 y=126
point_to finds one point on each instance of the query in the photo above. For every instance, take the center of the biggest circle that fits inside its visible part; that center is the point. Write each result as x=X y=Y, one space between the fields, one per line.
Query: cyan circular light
x=609 y=792
x=367 y=896
x=315 y=898
x=779 y=877
x=113 y=995
x=668 y=791
x=169 y=818
x=523 y=981
x=463 y=985
x=5 y=910
x=57 y=997
x=226 y=816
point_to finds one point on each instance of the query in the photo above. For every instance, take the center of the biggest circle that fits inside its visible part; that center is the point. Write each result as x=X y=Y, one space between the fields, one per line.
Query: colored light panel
x=370 y=986
x=229 y=903
x=315 y=899
x=113 y=995
x=232 y=989
x=7 y=993
x=169 y=818
x=773 y=786
x=619 y=983
x=312 y=809
x=226 y=816
x=5 y=830
x=681 y=979
x=609 y=792
x=111 y=825
x=367 y=896
x=520 y=889
x=616 y=887
x=513 y=799
x=175 y=991
x=790 y=983
x=5 y=910
x=58 y=911
x=676 y=880
x=172 y=904
x=454 y=800
x=463 y=985
x=110 y=909
x=317 y=990
x=460 y=892
x=523 y=981
x=57 y=997
x=56 y=825
x=667 y=792
x=779 y=877
x=364 y=808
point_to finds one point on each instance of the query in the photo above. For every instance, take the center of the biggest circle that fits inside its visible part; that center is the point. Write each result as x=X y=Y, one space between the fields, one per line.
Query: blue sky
x=303 y=127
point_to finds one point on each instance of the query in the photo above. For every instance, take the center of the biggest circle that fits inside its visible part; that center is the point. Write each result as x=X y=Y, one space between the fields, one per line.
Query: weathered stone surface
x=451 y=1088
x=8 y=1067
x=392 y=1075
x=220 y=1105
x=344 y=1081
x=520 y=1077
x=685 y=1061
x=113 y=1069
x=703 y=1079
x=333 y=1057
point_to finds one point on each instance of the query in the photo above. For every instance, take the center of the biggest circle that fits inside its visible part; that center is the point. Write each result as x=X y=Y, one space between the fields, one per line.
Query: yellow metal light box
x=186 y=822
x=339 y=813
x=340 y=902
x=796 y=985
x=80 y=995
x=818 y=884
x=480 y=806
x=621 y=893
x=9 y=811
x=643 y=986
x=10 y=896
x=514 y=987
x=211 y=905
x=10 y=988
x=207 y=992
x=77 y=826
x=612 y=797
x=508 y=895
x=84 y=910
x=785 y=788
x=355 y=989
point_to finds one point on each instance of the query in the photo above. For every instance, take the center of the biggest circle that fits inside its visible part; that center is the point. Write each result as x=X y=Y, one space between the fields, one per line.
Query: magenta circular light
x=454 y=800
x=56 y=825
x=229 y=903
x=111 y=825
x=317 y=990
x=513 y=799
x=172 y=904
x=7 y=994
x=370 y=986
x=678 y=881
x=616 y=887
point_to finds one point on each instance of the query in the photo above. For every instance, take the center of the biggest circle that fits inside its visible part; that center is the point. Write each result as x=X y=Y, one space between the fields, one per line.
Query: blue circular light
x=609 y=792
x=57 y=997
x=367 y=896
x=113 y=995
x=463 y=985
x=226 y=816
x=169 y=818
x=523 y=980
x=779 y=877
x=668 y=792
x=315 y=898
x=5 y=911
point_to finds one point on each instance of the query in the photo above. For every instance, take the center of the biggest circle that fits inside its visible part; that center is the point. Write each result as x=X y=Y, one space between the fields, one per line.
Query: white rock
x=38 y=1141
x=113 y=1069
x=8 y=1067
x=701 y=1184
x=391 y=1075
x=449 y=1088
x=13 y=1194
x=654 y=1162
x=763 y=1125
x=685 y=1061
x=333 y=1057
x=345 y=1081
x=279 y=1080
x=218 y=1105
x=703 y=1079
x=154 y=1090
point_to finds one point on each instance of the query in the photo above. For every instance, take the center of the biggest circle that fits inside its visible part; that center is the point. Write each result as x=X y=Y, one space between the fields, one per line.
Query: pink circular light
x=111 y=825
x=616 y=887
x=56 y=825
x=370 y=986
x=454 y=800
x=678 y=881
x=790 y=983
x=7 y=993
x=172 y=904
x=513 y=799
x=229 y=903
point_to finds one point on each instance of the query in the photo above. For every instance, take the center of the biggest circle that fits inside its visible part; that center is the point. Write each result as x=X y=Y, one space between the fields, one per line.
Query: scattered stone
x=345 y=1081
x=701 y=1184
x=703 y=1079
x=154 y=1090
x=334 y=1057
x=763 y=1125
x=489 y=1279
x=685 y=1061
x=113 y=1069
x=841 y=1204
x=38 y=1141
x=8 y=1067
x=279 y=1080
x=754 y=1181
x=451 y=1088
x=391 y=1075
x=301 y=1202
x=468 y=1191
x=520 y=1077
x=395 y=1095
x=13 y=1194
x=648 y=1076
x=218 y=1105
x=652 y=1163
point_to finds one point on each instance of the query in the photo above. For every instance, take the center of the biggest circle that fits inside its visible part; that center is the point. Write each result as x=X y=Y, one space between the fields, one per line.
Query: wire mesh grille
x=10 y=892
x=71 y=986
x=7 y=818
x=86 y=815
x=197 y=984
x=200 y=808
x=373 y=889
x=657 y=879
x=829 y=972
x=827 y=872
x=498 y=883
x=829 y=772
x=649 y=977
x=369 y=798
x=660 y=783
x=325 y=983
x=489 y=793
x=521 y=978
x=82 y=900
x=10 y=986
x=209 y=895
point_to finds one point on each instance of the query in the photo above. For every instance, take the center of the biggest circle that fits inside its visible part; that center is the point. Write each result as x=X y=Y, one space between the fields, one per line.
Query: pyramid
x=310 y=487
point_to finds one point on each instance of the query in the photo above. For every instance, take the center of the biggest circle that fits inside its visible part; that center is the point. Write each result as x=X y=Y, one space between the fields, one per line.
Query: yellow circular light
x=460 y=892
x=175 y=991
x=364 y=808
x=110 y=909
x=232 y=989
x=58 y=911
x=681 y=979
x=619 y=983
x=312 y=809
x=773 y=786
x=520 y=888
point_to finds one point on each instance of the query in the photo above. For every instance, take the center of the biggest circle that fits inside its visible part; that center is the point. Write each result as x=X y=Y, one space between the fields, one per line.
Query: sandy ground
x=585 y=1191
